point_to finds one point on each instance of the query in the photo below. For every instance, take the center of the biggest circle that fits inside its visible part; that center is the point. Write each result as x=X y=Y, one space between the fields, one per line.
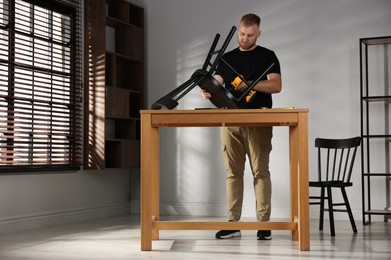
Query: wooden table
x=295 y=119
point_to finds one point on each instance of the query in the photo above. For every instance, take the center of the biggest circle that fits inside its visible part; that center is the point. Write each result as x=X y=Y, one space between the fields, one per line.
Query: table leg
x=155 y=180
x=293 y=162
x=304 y=233
x=146 y=183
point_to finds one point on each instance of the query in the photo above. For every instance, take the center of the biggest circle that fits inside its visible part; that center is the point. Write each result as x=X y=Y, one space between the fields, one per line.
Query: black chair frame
x=220 y=96
x=334 y=172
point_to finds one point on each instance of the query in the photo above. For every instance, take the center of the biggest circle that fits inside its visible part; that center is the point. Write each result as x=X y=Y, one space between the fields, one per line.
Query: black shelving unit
x=375 y=93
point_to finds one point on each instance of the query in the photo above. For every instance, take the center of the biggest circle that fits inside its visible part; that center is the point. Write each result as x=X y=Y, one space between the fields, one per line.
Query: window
x=40 y=85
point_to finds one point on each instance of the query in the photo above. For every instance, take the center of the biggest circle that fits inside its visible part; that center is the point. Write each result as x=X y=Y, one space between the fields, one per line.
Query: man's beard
x=246 y=47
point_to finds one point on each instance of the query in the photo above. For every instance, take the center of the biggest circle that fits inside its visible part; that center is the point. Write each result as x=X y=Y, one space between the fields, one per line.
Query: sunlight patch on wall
x=196 y=145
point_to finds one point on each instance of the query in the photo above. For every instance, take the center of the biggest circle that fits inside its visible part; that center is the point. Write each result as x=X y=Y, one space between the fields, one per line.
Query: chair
x=335 y=164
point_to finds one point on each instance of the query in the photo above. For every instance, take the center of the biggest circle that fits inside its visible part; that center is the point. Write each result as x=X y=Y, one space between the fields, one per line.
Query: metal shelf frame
x=383 y=101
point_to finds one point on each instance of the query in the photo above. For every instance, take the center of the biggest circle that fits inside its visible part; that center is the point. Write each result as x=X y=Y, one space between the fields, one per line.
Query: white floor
x=119 y=238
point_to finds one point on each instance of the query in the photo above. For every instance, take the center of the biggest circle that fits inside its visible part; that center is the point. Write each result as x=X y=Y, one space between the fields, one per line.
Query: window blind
x=40 y=85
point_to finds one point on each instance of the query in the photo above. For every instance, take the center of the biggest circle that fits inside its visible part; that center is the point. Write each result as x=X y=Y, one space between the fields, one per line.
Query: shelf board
x=378 y=212
x=129 y=58
x=377 y=174
x=123 y=118
x=117 y=23
x=124 y=57
x=376 y=136
x=120 y=140
x=377 y=99
x=114 y=22
x=133 y=91
x=376 y=40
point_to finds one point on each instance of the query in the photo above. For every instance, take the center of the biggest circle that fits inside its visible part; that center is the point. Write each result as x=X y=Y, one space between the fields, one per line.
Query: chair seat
x=337 y=184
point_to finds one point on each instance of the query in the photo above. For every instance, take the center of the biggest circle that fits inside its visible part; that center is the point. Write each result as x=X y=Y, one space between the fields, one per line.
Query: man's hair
x=250 y=19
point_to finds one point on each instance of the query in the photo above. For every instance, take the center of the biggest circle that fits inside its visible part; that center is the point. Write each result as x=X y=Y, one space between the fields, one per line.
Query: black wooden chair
x=335 y=164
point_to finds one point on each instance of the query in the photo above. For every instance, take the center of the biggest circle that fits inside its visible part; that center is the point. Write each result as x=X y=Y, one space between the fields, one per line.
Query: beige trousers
x=255 y=142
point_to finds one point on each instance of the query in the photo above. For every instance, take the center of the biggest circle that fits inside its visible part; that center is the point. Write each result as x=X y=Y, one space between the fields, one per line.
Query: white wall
x=317 y=43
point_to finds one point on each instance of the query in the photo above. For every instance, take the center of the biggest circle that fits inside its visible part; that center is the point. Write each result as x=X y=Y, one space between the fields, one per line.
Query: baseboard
x=41 y=220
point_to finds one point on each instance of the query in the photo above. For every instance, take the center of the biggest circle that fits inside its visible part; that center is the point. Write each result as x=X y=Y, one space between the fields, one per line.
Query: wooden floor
x=119 y=238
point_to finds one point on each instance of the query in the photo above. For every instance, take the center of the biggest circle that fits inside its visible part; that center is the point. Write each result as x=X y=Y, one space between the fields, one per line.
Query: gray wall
x=44 y=199
x=317 y=43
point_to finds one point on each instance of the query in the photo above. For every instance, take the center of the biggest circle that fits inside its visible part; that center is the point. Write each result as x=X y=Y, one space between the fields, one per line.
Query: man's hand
x=205 y=94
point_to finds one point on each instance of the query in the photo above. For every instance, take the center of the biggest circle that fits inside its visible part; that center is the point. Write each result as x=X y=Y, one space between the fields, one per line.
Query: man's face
x=247 y=36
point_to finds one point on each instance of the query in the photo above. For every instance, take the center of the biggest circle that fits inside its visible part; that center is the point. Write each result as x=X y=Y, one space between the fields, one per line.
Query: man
x=250 y=61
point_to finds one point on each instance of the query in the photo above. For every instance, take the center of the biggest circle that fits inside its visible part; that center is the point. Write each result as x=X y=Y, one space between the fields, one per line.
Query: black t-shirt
x=249 y=64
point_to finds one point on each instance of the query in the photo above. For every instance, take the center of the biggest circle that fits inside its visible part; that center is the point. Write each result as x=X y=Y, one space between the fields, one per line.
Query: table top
x=225 y=117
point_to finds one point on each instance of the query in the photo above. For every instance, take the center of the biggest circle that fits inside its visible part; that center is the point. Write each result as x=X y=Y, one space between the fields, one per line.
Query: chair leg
x=331 y=211
x=349 y=210
x=321 y=213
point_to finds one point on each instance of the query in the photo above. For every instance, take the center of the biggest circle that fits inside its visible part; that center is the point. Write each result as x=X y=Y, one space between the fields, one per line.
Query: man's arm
x=272 y=85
